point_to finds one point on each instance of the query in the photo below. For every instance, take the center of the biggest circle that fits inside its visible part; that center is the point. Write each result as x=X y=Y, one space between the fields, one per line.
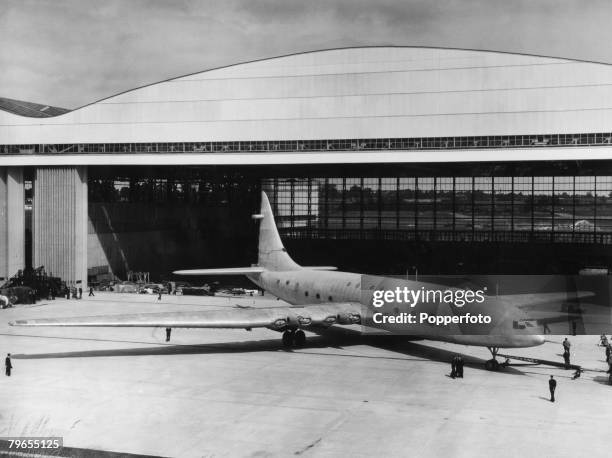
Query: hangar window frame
x=347 y=144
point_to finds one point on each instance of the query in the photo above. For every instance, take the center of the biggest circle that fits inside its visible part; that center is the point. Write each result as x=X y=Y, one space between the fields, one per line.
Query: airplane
x=320 y=297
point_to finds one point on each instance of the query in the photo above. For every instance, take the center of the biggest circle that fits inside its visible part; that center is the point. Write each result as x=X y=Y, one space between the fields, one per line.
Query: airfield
x=239 y=393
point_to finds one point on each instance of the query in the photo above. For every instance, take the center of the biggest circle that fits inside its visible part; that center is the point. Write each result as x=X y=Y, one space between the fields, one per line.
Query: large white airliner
x=320 y=297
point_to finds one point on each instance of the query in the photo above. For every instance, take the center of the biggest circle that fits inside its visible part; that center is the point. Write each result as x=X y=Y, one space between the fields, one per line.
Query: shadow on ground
x=316 y=345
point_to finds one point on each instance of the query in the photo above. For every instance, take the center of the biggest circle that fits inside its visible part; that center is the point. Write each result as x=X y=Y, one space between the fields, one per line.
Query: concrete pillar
x=12 y=221
x=60 y=222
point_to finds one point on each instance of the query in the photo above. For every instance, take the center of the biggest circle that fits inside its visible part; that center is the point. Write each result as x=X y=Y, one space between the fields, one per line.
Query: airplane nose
x=538 y=340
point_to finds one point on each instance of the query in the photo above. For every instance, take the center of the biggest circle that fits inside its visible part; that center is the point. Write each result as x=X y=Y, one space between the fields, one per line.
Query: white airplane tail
x=272 y=254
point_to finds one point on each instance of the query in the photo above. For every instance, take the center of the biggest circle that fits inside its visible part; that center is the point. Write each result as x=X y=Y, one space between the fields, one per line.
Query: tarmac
x=238 y=393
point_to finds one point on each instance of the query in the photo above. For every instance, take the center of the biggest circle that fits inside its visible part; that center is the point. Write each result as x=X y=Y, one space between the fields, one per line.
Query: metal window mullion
x=552 y=206
x=416 y=207
x=532 y=204
x=435 y=204
x=397 y=203
x=361 y=213
x=343 y=203
x=379 y=203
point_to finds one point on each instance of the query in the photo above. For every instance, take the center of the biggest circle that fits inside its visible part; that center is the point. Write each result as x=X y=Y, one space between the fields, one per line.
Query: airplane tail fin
x=272 y=253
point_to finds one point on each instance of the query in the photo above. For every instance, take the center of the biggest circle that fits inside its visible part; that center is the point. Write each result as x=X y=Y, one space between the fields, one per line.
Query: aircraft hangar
x=377 y=159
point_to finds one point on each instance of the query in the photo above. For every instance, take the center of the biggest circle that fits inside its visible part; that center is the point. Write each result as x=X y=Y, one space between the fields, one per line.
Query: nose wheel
x=293 y=338
x=493 y=364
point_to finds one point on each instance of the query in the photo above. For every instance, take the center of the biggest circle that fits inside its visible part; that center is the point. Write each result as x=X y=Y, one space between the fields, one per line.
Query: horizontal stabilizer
x=227 y=271
x=526 y=301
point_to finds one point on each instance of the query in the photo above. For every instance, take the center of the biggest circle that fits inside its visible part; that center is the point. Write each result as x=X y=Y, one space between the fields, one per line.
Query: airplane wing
x=277 y=318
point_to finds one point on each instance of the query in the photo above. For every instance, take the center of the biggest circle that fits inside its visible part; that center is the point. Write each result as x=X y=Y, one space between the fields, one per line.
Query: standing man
x=552 y=385
x=159 y=297
x=168 y=332
x=566 y=345
x=8 y=365
x=454 y=367
x=566 y=358
x=80 y=293
x=459 y=366
x=91 y=291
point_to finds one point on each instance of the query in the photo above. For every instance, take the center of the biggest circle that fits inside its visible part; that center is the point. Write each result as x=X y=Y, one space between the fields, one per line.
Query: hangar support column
x=60 y=222
x=12 y=221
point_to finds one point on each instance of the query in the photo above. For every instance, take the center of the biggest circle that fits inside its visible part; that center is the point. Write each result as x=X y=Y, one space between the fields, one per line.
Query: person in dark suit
x=566 y=358
x=552 y=385
x=168 y=332
x=460 y=366
x=454 y=367
x=8 y=365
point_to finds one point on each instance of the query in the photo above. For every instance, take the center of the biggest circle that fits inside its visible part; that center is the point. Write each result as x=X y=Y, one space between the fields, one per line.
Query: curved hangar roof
x=377 y=92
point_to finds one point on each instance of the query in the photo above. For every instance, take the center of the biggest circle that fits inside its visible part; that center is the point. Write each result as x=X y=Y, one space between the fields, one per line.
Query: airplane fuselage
x=308 y=287
x=302 y=287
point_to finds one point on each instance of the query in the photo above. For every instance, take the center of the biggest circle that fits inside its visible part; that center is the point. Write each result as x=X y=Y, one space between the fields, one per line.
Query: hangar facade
x=392 y=147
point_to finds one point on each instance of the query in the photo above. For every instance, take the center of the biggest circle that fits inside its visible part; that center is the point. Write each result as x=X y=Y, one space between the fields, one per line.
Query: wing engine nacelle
x=349 y=318
x=323 y=315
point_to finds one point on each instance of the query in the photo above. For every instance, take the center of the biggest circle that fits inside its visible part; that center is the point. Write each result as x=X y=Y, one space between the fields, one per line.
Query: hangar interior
x=436 y=218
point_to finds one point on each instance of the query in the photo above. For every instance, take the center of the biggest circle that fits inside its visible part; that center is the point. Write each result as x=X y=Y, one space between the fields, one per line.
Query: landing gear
x=492 y=364
x=293 y=338
x=288 y=338
x=299 y=339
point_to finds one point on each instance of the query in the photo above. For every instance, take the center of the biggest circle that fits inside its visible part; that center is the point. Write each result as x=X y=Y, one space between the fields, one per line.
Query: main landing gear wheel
x=492 y=364
x=288 y=337
x=299 y=338
x=293 y=338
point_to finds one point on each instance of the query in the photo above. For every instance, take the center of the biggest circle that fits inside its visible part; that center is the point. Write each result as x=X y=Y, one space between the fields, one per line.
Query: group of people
x=457 y=366
x=74 y=293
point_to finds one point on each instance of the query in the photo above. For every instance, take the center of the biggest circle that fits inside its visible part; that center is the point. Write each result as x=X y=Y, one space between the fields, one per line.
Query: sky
x=70 y=53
